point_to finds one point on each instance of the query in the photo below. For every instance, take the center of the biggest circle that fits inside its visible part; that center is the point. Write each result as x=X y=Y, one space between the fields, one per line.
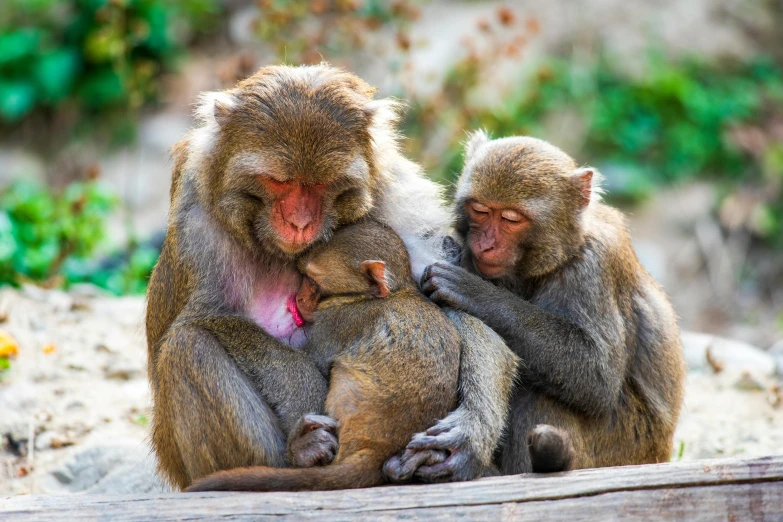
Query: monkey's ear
x=475 y=140
x=375 y=271
x=222 y=112
x=583 y=179
x=216 y=107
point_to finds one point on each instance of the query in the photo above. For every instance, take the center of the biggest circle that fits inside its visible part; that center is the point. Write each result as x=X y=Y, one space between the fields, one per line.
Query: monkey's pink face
x=495 y=234
x=297 y=212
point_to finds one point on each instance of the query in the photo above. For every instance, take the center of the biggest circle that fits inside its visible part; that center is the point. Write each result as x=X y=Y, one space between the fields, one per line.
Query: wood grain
x=727 y=489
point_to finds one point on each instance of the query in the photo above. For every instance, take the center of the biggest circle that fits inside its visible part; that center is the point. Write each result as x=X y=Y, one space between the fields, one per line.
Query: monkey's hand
x=449 y=285
x=313 y=441
x=443 y=453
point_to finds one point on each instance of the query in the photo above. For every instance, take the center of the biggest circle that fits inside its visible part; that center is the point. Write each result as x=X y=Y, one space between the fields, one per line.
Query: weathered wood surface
x=727 y=489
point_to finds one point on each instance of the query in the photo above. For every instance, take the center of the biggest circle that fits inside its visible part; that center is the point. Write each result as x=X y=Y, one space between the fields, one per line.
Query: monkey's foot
x=313 y=441
x=441 y=454
x=401 y=468
x=550 y=449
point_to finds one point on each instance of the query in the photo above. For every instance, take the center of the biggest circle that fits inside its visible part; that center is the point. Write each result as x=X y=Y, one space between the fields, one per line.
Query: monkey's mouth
x=294 y=309
x=489 y=269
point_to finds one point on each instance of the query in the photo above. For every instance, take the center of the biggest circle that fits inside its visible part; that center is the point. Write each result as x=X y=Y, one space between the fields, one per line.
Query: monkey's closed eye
x=479 y=208
x=254 y=198
x=512 y=216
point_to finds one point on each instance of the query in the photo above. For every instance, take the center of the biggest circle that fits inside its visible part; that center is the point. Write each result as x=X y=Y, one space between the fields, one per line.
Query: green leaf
x=55 y=74
x=16 y=100
x=18 y=44
x=103 y=88
x=8 y=245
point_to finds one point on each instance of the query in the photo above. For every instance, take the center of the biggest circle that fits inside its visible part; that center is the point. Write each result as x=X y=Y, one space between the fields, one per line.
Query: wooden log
x=727 y=489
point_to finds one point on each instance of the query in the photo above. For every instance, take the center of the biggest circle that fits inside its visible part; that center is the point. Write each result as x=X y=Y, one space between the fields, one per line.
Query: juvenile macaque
x=552 y=270
x=391 y=355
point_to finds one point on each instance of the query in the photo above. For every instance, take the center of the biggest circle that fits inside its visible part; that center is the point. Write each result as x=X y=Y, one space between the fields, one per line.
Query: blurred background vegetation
x=680 y=105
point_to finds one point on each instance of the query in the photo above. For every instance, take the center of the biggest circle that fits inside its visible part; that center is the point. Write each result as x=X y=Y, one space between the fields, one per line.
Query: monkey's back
x=395 y=370
x=655 y=371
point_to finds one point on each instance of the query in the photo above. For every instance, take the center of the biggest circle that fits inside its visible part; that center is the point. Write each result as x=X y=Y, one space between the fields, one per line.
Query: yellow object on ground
x=8 y=345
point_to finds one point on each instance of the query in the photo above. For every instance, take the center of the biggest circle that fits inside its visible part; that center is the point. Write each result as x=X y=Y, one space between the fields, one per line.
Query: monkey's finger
x=323 y=437
x=441 y=472
x=327 y=456
x=439 y=428
x=402 y=468
x=312 y=421
x=445 y=471
x=445 y=296
x=428 y=286
x=425 y=275
x=446 y=271
x=427 y=443
x=455 y=271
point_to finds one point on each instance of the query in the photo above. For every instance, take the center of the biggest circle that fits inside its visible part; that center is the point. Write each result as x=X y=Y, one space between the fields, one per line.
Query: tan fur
x=393 y=363
x=225 y=392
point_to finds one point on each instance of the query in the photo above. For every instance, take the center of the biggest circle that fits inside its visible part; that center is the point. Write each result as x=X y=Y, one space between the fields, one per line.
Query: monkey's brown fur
x=394 y=363
x=227 y=387
x=602 y=371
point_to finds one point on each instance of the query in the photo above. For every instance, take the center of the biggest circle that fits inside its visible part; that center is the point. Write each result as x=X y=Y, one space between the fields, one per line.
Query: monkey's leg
x=206 y=415
x=541 y=436
x=286 y=378
x=470 y=433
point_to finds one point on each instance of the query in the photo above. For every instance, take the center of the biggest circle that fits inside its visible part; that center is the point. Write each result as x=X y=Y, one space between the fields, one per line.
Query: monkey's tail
x=360 y=470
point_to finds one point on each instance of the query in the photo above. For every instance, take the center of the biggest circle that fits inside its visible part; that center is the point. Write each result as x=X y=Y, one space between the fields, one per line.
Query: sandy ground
x=78 y=389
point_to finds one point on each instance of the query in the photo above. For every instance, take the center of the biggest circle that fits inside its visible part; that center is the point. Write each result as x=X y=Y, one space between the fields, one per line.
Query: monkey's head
x=287 y=155
x=366 y=260
x=520 y=203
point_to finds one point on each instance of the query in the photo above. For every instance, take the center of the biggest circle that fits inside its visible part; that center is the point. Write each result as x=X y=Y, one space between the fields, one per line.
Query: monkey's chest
x=273 y=309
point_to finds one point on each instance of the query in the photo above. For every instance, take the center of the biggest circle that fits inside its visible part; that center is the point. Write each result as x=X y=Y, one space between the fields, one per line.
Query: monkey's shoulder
x=403 y=321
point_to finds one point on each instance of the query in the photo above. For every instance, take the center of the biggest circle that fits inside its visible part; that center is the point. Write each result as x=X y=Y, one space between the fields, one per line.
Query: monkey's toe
x=312 y=421
x=314 y=442
x=550 y=449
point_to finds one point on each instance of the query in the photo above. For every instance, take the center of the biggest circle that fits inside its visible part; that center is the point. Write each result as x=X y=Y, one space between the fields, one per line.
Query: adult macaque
x=551 y=269
x=391 y=356
x=277 y=165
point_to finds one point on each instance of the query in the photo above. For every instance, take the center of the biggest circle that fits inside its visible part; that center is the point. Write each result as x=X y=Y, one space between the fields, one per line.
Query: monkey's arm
x=467 y=437
x=573 y=356
x=286 y=378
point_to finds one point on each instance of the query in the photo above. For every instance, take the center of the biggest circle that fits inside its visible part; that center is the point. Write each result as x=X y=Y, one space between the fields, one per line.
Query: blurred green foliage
x=50 y=238
x=127 y=272
x=96 y=62
x=675 y=121
x=306 y=32
x=41 y=230
x=90 y=58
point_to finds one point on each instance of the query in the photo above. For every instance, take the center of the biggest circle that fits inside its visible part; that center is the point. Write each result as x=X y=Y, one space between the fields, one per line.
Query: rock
x=748 y=382
x=733 y=355
x=141 y=477
x=90 y=465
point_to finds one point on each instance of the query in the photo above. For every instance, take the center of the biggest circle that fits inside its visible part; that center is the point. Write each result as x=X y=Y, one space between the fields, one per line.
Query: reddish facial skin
x=297 y=211
x=495 y=233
